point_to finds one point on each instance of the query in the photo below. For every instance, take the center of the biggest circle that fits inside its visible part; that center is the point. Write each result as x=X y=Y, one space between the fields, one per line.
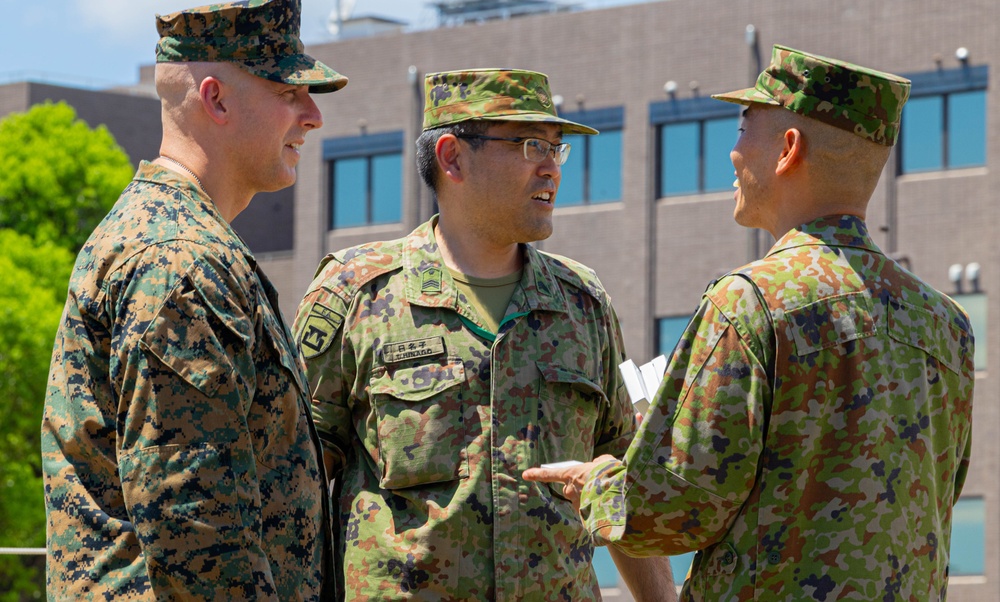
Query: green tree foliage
x=34 y=277
x=58 y=177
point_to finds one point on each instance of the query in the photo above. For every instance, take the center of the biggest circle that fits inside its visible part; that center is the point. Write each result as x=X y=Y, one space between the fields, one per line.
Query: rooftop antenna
x=341 y=12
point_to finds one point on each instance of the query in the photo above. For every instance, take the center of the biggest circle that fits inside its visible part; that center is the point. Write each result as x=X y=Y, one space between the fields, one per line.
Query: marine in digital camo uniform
x=179 y=456
x=430 y=416
x=813 y=429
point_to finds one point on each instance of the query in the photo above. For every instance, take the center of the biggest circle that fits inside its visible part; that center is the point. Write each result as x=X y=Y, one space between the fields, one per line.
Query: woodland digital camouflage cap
x=866 y=102
x=261 y=36
x=492 y=94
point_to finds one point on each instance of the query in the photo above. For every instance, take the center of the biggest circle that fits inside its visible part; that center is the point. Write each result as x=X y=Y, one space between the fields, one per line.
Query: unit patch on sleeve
x=319 y=330
x=408 y=350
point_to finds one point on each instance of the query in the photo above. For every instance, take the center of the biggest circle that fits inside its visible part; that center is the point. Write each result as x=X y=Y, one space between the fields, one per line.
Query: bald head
x=838 y=164
x=793 y=169
x=178 y=86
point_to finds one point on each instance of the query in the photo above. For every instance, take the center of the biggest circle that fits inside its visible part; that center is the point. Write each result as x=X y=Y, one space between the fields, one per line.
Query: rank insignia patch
x=430 y=280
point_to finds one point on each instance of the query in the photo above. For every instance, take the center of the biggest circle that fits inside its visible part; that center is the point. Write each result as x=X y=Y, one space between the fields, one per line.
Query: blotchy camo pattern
x=433 y=424
x=862 y=101
x=492 y=94
x=811 y=435
x=179 y=457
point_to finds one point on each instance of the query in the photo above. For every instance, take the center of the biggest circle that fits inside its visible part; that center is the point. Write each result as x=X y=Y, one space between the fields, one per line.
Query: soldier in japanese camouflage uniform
x=445 y=363
x=179 y=455
x=812 y=432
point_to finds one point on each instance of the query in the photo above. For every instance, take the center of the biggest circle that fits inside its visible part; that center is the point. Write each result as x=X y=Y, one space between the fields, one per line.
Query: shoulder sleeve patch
x=320 y=327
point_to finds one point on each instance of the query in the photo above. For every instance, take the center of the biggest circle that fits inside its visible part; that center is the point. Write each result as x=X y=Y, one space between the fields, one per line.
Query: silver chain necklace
x=185 y=168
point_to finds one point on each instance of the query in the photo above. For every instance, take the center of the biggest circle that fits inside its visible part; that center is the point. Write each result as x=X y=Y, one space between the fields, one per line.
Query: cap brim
x=298 y=70
x=747 y=96
x=568 y=127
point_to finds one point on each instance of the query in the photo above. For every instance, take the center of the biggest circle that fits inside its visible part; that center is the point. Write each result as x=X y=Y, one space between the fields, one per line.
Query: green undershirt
x=488 y=296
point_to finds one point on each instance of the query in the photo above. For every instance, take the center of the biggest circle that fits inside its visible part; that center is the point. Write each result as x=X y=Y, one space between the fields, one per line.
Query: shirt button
x=729 y=558
x=774 y=557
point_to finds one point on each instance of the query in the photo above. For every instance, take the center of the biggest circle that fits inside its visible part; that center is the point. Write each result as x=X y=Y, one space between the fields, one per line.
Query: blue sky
x=102 y=43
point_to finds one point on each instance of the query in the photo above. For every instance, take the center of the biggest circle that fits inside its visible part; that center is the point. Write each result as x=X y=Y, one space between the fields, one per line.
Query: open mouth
x=545 y=197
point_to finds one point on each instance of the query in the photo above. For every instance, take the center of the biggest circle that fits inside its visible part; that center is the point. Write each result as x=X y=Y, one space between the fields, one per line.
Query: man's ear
x=448 y=154
x=214 y=99
x=792 y=153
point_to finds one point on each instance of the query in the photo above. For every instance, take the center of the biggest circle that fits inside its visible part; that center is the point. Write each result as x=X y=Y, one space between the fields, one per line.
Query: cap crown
x=866 y=102
x=260 y=35
x=231 y=31
x=492 y=94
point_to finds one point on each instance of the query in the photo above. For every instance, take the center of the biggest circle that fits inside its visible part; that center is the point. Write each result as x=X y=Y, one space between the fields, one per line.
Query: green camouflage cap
x=492 y=94
x=261 y=36
x=866 y=102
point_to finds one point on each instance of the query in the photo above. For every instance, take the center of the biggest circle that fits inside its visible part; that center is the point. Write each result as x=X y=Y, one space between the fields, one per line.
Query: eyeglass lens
x=535 y=150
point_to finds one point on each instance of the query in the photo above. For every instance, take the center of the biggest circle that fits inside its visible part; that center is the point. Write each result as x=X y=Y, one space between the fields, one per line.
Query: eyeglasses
x=535 y=149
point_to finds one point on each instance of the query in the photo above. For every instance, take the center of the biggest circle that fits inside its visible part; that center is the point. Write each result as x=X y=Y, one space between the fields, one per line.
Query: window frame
x=965 y=545
x=658 y=341
x=672 y=112
x=945 y=83
x=368 y=147
x=603 y=120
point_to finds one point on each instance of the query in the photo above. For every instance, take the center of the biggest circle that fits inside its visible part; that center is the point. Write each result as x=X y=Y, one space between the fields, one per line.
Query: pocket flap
x=578 y=380
x=830 y=322
x=416 y=383
x=929 y=332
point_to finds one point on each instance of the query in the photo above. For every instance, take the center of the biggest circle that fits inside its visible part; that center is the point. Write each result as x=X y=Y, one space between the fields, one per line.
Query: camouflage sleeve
x=963 y=466
x=318 y=331
x=184 y=342
x=616 y=426
x=695 y=457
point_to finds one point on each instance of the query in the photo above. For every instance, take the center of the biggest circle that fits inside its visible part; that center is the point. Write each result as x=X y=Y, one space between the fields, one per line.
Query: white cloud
x=125 y=18
x=135 y=18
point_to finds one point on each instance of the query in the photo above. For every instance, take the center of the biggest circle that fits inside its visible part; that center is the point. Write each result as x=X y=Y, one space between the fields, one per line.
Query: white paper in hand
x=564 y=464
x=633 y=381
x=643 y=381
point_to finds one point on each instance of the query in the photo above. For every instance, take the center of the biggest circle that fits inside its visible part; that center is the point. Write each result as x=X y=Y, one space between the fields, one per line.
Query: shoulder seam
x=347 y=290
x=568 y=270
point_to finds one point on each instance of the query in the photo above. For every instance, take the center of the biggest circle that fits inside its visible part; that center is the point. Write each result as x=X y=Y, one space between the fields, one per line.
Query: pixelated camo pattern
x=811 y=435
x=433 y=424
x=179 y=457
x=863 y=101
x=261 y=36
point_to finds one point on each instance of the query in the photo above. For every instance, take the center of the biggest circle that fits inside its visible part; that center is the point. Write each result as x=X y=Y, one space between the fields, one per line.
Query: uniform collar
x=831 y=231
x=197 y=202
x=429 y=283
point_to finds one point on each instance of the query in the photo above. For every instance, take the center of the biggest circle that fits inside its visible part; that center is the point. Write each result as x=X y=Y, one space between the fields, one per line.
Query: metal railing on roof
x=457 y=12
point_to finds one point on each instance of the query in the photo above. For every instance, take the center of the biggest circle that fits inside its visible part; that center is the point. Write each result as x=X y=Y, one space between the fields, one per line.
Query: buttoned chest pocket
x=422 y=436
x=569 y=404
x=932 y=334
x=830 y=322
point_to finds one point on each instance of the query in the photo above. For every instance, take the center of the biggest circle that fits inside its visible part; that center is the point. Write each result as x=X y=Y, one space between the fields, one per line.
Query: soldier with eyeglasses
x=443 y=364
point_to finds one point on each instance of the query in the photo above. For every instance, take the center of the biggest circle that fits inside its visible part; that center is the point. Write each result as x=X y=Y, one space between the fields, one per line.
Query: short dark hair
x=427 y=141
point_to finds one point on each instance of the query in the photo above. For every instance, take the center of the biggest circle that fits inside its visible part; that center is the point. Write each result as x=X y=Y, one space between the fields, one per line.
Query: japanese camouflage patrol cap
x=866 y=102
x=494 y=95
x=261 y=36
